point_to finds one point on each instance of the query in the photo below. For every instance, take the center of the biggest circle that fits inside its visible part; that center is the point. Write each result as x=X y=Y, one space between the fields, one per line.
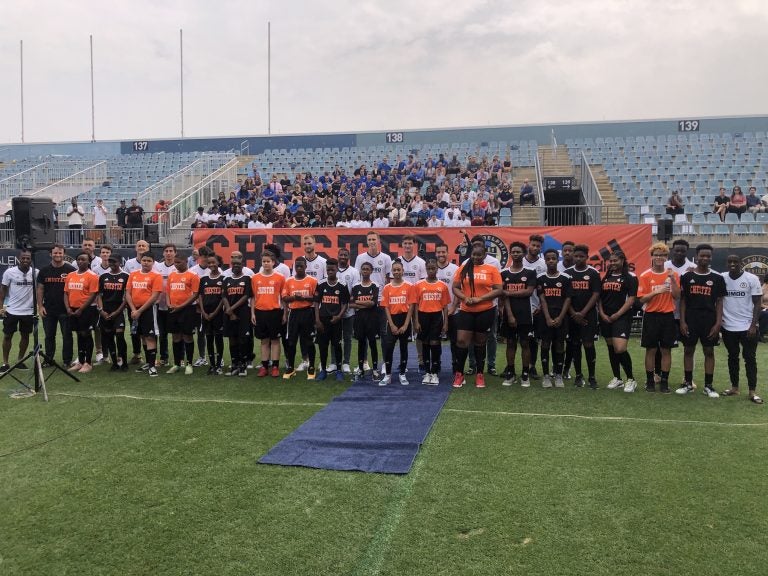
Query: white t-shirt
x=96 y=263
x=414 y=269
x=446 y=275
x=281 y=269
x=18 y=287
x=349 y=276
x=99 y=215
x=164 y=270
x=99 y=271
x=737 y=304
x=541 y=268
x=315 y=268
x=382 y=267
x=200 y=271
x=687 y=265
x=246 y=272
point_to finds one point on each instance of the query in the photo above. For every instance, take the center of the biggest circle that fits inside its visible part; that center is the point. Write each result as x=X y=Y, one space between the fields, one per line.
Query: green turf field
x=129 y=475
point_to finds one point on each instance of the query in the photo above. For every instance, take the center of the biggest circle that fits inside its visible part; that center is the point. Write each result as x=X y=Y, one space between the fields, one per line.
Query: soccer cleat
x=152 y=372
x=427 y=378
x=322 y=375
x=310 y=372
x=559 y=381
x=615 y=383
x=345 y=368
x=507 y=373
x=274 y=372
x=403 y=379
x=302 y=366
x=331 y=368
x=289 y=373
x=710 y=392
x=73 y=368
x=339 y=376
x=630 y=385
x=579 y=381
x=359 y=373
x=200 y=362
x=593 y=384
x=262 y=372
x=384 y=381
x=458 y=380
x=480 y=380
x=686 y=388
x=188 y=370
x=525 y=382
x=242 y=372
x=85 y=368
x=546 y=381
x=173 y=369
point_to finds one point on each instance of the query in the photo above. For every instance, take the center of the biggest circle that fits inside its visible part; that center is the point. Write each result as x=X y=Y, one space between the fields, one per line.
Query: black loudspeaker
x=152 y=233
x=34 y=222
x=664 y=230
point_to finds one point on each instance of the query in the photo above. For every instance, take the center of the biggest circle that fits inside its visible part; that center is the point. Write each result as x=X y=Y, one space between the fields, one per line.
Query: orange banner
x=633 y=239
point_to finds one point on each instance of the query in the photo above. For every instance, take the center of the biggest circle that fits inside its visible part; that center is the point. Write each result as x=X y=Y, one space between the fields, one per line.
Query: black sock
x=461 y=358
x=479 y=358
x=591 y=356
x=708 y=378
x=189 y=349
x=649 y=378
x=151 y=356
x=219 y=340
x=211 y=350
x=626 y=362
x=544 y=361
x=122 y=347
x=437 y=352
x=614 y=361
x=265 y=363
x=178 y=353
x=688 y=376
x=426 y=355
x=664 y=379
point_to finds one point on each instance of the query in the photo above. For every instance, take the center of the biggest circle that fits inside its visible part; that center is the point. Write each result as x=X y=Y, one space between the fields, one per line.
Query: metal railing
x=75 y=184
x=44 y=174
x=590 y=192
x=539 y=184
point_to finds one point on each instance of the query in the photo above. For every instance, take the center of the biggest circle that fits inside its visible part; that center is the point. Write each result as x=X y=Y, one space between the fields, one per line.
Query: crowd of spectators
x=434 y=192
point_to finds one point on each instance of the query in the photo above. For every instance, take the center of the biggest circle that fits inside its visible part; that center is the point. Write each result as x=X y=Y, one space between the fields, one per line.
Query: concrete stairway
x=524 y=215
x=613 y=212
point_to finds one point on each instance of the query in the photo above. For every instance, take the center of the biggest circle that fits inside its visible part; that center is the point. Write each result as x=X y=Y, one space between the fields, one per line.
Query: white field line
x=187 y=400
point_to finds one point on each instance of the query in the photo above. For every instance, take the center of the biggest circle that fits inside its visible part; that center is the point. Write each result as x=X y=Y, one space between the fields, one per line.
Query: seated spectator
x=754 y=203
x=381 y=221
x=527 y=194
x=738 y=202
x=506 y=199
x=675 y=204
x=720 y=207
x=464 y=220
x=434 y=222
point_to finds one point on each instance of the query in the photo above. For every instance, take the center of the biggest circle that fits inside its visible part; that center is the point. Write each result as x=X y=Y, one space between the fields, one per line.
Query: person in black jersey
x=617 y=296
x=701 y=315
x=331 y=301
x=554 y=290
x=237 y=315
x=518 y=284
x=299 y=297
x=50 y=304
x=211 y=306
x=111 y=304
x=364 y=300
x=582 y=328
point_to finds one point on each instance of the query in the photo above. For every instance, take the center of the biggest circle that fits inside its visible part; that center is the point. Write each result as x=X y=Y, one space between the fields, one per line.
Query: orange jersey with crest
x=485 y=277
x=305 y=287
x=141 y=286
x=397 y=298
x=267 y=290
x=79 y=287
x=431 y=296
x=663 y=303
x=181 y=285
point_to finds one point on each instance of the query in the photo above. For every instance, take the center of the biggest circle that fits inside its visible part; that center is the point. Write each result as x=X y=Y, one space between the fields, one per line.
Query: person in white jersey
x=680 y=263
x=534 y=261
x=315 y=262
x=202 y=269
x=414 y=269
x=741 y=315
x=164 y=268
x=349 y=276
x=445 y=272
x=17 y=285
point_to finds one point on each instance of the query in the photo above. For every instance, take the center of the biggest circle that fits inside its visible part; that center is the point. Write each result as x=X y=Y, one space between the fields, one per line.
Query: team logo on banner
x=757 y=265
x=497 y=248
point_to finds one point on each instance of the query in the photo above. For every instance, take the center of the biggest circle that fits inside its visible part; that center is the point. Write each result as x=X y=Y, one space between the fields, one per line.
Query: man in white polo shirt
x=17 y=286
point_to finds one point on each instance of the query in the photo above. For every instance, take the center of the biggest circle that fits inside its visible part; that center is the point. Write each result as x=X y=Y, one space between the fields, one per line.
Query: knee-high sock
x=426 y=355
x=178 y=352
x=461 y=358
x=480 y=358
x=436 y=353
x=544 y=361
x=211 y=351
x=614 y=360
x=122 y=346
x=626 y=362
x=591 y=356
x=189 y=349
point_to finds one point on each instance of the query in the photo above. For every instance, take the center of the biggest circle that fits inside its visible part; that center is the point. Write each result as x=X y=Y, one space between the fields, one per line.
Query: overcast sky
x=358 y=65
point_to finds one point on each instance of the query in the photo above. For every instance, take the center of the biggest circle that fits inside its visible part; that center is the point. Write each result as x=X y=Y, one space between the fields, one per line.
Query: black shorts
x=113 y=324
x=301 y=321
x=431 y=325
x=269 y=324
x=659 y=330
x=88 y=320
x=183 y=321
x=699 y=325
x=241 y=326
x=12 y=323
x=520 y=333
x=146 y=325
x=583 y=332
x=618 y=329
x=476 y=321
x=213 y=326
x=366 y=325
x=549 y=333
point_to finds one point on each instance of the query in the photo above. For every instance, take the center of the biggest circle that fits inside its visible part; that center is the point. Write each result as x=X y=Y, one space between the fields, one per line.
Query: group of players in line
x=540 y=301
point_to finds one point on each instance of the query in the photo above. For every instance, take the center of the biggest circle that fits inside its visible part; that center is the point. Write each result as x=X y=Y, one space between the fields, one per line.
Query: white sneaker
x=366 y=367
x=546 y=381
x=303 y=366
x=152 y=372
x=525 y=383
x=615 y=383
x=630 y=385
x=508 y=382
x=331 y=368
x=435 y=380
x=99 y=358
x=711 y=392
x=383 y=369
x=403 y=380
x=384 y=381
x=200 y=362
x=188 y=370
x=173 y=369
x=427 y=379
x=559 y=381
x=686 y=388
x=345 y=368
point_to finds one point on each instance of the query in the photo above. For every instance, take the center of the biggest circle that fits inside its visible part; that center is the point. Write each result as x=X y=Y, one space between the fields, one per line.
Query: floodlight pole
x=21 y=59
x=269 y=77
x=181 y=61
x=93 y=107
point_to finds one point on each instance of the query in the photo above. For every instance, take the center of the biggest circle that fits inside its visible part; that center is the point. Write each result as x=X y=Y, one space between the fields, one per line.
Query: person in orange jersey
x=397 y=300
x=431 y=299
x=80 y=289
x=299 y=295
x=476 y=285
x=267 y=314
x=144 y=288
x=181 y=294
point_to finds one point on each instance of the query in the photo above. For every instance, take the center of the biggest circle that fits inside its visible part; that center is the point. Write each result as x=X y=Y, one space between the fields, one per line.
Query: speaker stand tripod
x=36 y=354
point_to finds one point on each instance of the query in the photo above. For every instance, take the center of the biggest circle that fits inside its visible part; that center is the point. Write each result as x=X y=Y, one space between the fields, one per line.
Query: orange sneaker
x=262 y=372
x=458 y=380
x=480 y=380
x=275 y=372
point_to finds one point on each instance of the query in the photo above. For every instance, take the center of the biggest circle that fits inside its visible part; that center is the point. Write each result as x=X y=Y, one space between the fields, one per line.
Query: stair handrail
x=539 y=186
x=591 y=193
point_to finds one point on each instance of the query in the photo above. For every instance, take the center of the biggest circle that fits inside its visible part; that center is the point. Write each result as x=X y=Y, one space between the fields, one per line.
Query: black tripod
x=36 y=353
